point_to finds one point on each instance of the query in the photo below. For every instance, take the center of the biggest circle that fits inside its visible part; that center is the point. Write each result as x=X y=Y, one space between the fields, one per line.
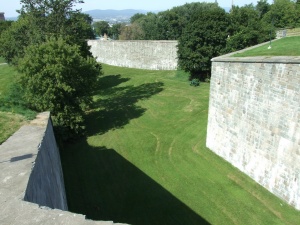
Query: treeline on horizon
x=205 y=30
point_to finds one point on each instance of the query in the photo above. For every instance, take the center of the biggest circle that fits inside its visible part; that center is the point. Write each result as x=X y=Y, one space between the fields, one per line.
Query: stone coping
x=17 y=157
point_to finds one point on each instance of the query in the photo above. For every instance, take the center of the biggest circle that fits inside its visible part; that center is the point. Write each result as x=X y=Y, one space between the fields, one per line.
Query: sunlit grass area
x=9 y=123
x=11 y=117
x=288 y=46
x=145 y=162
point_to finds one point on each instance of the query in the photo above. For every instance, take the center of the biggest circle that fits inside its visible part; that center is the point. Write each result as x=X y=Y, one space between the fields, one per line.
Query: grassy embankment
x=144 y=161
x=11 y=117
x=288 y=46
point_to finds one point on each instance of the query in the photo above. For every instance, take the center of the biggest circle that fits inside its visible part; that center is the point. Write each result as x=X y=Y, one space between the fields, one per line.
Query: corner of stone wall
x=30 y=166
x=254 y=120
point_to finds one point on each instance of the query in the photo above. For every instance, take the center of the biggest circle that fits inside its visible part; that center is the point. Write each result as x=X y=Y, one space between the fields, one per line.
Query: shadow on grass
x=108 y=82
x=116 y=106
x=103 y=185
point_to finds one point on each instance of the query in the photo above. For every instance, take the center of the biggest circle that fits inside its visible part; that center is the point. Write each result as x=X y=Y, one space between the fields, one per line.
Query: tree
x=115 y=31
x=203 y=38
x=283 y=14
x=132 y=32
x=262 y=7
x=57 y=78
x=16 y=38
x=41 y=19
x=136 y=17
x=148 y=24
x=58 y=73
x=4 y=25
x=101 y=27
x=246 y=28
x=170 y=24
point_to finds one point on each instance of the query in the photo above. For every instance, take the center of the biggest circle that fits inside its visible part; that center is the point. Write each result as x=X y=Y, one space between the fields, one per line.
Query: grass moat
x=145 y=161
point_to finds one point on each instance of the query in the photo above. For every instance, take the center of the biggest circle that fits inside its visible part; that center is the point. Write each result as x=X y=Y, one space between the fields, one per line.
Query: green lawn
x=144 y=161
x=288 y=46
x=10 y=122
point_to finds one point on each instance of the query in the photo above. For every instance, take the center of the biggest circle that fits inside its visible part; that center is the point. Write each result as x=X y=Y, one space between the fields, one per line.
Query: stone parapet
x=152 y=55
x=30 y=167
x=254 y=120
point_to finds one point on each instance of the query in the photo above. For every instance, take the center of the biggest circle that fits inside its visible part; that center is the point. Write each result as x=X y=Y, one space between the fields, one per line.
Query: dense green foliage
x=56 y=77
x=41 y=19
x=202 y=39
x=14 y=40
x=133 y=32
x=246 y=28
x=4 y=25
x=283 y=14
x=115 y=31
x=101 y=27
x=48 y=45
x=145 y=162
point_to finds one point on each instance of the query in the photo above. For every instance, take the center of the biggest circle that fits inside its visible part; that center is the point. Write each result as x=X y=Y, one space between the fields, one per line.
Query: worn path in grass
x=144 y=161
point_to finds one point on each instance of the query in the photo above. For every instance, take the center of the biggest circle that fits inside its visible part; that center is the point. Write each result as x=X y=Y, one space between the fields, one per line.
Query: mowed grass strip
x=9 y=124
x=9 y=121
x=144 y=161
x=288 y=46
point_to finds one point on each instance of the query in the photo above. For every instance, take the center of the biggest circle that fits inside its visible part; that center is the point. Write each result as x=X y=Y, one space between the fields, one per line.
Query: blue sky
x=9 y=7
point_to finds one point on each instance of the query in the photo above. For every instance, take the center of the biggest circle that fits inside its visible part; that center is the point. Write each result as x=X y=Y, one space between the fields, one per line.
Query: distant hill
x=111 y=14
x=125 y=14
x=11 y=18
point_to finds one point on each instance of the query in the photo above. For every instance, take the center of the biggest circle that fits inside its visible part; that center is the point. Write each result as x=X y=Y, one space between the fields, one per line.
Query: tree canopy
x=48 y=46
x=203 y=38
x=101 y=27
x=41 y=19
x=57 y=78
x=246 y=28
x=283 y=14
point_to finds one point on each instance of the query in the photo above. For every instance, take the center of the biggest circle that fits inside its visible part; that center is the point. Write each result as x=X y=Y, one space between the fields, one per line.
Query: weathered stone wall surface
x=29 y=161
x=254 y=120
x=46 y=183
x=152 y=55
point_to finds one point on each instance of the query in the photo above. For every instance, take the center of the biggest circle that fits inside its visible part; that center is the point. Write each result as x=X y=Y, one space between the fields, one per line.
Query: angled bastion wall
x=254 y=120
x=30 y=165
x=152 y=55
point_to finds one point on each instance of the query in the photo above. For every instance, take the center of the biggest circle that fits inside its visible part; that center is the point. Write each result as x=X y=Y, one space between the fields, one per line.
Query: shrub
x=195 y=82
x=58 y=79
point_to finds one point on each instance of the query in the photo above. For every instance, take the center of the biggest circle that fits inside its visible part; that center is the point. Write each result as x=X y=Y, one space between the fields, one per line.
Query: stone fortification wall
x=29 y=160
x=254 y=120
x=46 y=183
x=153 y=55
